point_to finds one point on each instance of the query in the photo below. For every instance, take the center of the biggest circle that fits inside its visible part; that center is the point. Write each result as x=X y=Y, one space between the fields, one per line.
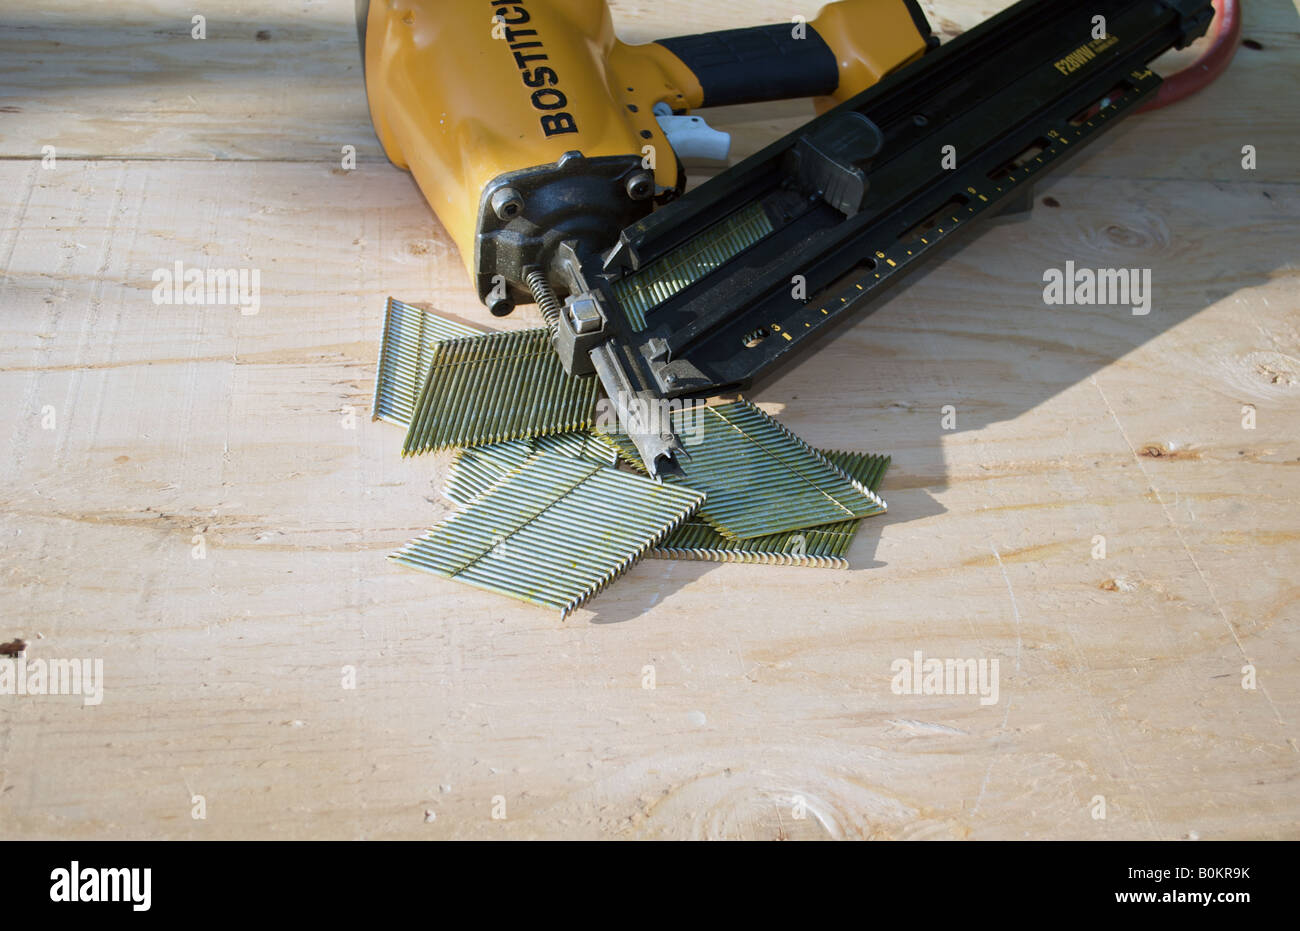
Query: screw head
x=507 y=203
x=640 y=185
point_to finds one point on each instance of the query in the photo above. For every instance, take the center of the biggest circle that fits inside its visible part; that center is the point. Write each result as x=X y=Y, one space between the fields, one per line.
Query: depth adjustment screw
x=507 y=203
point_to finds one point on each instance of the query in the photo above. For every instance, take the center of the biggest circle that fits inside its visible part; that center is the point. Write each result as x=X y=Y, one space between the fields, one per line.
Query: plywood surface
x=135 y=430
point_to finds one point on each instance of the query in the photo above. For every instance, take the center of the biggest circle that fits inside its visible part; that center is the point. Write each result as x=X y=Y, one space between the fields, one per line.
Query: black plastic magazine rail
x=731 y=280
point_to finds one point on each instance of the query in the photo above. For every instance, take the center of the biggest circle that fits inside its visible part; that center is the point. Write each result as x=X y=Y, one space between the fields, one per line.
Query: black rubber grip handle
x=758 y=63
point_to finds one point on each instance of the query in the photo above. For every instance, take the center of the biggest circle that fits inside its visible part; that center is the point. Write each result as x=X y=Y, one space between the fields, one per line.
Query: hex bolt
x=584 y=316
x=507 y=203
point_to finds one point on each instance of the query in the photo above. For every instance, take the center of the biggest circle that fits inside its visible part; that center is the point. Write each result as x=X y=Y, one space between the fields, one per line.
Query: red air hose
x=1225 y=33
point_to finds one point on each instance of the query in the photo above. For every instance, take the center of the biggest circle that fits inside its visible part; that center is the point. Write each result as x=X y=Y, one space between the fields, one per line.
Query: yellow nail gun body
x=529 y=126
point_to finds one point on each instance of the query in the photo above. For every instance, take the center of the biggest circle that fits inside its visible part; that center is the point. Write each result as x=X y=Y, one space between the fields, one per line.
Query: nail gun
x=544 y=145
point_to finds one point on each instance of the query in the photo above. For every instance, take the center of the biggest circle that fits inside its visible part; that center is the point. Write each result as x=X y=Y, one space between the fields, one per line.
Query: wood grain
x=1120 y=677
